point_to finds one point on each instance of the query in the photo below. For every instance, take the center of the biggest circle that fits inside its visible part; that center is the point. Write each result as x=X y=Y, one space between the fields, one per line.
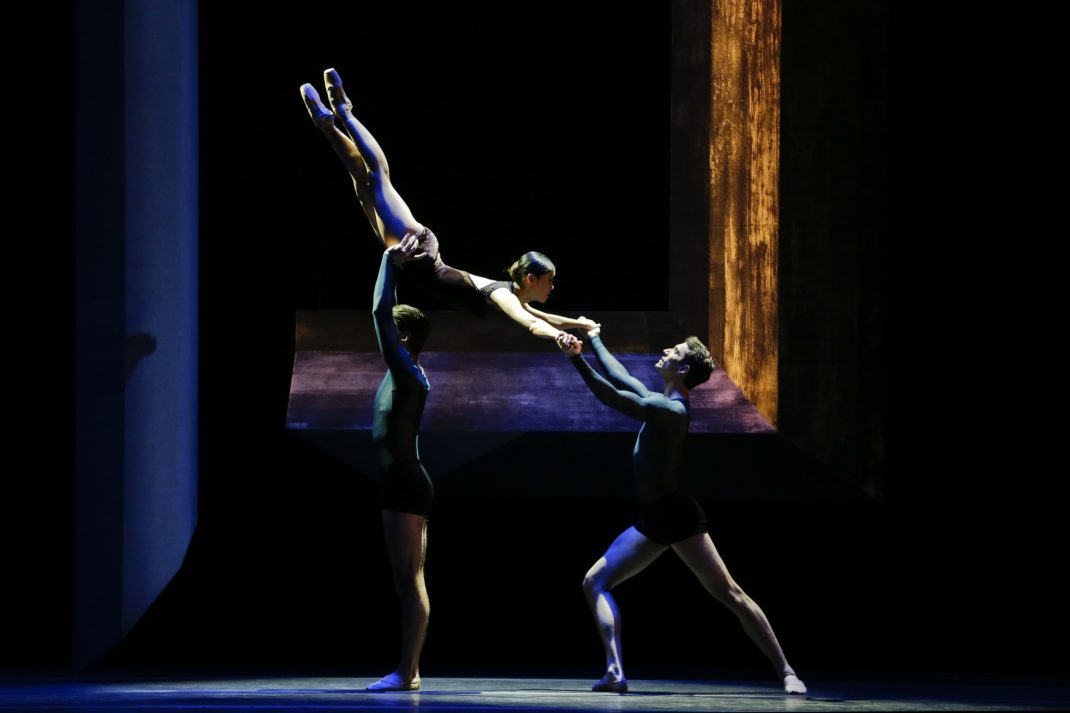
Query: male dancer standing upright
x=668 y=517
x=406 y=487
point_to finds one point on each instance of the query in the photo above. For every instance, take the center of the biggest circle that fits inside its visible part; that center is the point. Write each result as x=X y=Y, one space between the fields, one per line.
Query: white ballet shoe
x=793 y=684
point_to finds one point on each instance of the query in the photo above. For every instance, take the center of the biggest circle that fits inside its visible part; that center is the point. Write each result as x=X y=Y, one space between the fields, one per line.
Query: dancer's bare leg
x=364 y=159
x=629 y=554
x=397 y=219
x=701 y=557
x=406 y=543
x=347 y=151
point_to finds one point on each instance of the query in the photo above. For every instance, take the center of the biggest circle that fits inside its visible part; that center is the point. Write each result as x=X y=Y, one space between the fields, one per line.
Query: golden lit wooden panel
x=744 y=174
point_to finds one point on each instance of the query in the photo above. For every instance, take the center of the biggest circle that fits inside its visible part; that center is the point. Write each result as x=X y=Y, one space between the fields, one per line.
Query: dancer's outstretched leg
x=702 y=558
x=406 y=543
x=347 y=151
x=397 y=219
x=629 y=555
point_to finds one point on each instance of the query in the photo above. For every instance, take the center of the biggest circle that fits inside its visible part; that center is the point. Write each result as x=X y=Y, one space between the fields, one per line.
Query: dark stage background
x=555 y=117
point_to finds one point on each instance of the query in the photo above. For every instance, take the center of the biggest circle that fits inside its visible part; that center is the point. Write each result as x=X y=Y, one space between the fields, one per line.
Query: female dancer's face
x=538 y=289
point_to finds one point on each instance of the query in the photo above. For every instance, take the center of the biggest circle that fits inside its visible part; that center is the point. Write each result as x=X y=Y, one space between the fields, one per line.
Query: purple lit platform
x=478 y=386
x=497 y=391
x=504 y=404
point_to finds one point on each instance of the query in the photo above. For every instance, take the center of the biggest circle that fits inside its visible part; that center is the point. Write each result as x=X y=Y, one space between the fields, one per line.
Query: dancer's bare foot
x=394 y=682
x=335 y=94
x=321 y=115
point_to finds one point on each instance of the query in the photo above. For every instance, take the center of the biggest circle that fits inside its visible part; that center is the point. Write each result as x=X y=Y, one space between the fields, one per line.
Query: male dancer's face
x=671 y=360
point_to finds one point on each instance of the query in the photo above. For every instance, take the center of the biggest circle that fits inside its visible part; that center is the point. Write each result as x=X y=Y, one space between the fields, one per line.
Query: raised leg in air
x=393 y=212
x=347 y=151
x=363 y=158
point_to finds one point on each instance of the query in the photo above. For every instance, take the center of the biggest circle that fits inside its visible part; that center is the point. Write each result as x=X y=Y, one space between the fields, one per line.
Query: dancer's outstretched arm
x=397 y=357
x=653 y=407
x=515 y=310
x=559 y=321
x=615 y=371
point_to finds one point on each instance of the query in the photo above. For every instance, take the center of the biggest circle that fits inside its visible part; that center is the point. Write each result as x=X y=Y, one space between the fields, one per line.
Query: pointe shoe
x=335 y=93
x=610 y=685
x=793 y=684
x=321 y=115
x=393 y=682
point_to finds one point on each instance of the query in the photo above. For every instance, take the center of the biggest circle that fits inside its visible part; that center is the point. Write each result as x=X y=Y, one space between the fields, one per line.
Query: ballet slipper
x=394 y=682
x=335 y=93
x=793 y=684
x=608 y=684
x=322 y=117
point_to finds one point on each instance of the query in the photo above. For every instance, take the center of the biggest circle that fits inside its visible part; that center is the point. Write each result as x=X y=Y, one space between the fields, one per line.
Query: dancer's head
x=413 y=327
x=689 y=361
x=534 y=273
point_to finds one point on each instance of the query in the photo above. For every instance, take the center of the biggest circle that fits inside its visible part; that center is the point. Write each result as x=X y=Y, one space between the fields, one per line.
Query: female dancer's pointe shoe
x=609 y=684
x=793 y=684
x=321 y=115
x=393 y=682
x=335 y=93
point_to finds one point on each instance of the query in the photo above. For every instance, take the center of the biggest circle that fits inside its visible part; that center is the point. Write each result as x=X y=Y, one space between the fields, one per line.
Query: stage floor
x=536 y=694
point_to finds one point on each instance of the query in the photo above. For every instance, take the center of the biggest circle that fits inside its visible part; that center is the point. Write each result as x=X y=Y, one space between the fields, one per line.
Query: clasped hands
x=570 y=344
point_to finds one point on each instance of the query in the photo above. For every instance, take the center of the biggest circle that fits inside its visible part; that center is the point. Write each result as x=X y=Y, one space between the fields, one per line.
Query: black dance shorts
x=406 y=487
x=675 y=517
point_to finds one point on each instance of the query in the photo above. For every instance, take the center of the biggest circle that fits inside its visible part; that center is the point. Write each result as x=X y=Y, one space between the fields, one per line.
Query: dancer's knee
x=408 y=583
x=730 y=594
x=593 y=585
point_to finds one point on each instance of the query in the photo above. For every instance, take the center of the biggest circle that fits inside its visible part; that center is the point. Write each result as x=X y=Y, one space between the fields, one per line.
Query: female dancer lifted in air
x=532 y=276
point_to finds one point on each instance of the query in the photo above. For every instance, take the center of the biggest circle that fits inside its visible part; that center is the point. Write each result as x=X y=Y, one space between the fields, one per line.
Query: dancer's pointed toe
x=322 y=117
x=335 y=93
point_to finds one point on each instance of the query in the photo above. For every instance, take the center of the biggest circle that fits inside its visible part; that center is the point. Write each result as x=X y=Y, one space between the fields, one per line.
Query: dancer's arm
x=512 y=307
x=397 y=357
x=559 y=321
x=615 y=371
x=652 y=407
